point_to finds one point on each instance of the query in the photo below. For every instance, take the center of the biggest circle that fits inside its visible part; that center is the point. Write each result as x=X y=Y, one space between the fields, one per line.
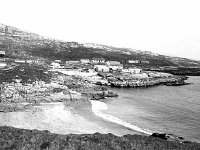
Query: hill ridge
x=23 y=44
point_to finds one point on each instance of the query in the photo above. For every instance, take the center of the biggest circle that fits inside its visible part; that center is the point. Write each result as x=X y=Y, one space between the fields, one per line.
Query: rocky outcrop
x=169 y=137
x=145 y=82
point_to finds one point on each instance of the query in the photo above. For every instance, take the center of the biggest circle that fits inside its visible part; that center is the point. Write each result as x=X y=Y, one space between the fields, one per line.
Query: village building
x=57 y=61
x=134 y=61
x=6 y=60
x=101 y=68
x=19 y=61
x=115 y=67
x=109 y=63
x=8 y=30
x=2 y=59
x=29 y=61
x=84 y=61
x=38 y=61
x=98 y=60
x=72 y=62
x=2 y=53
x=145 y=62
x=3 y=49
x=3 y=64
x=132 y=70
x=55 y=65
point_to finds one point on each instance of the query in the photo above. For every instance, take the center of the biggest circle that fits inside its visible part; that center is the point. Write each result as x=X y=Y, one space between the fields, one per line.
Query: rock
x=160 y=135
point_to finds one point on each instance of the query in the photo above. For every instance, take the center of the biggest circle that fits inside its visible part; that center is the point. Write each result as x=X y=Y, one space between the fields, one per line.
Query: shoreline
x=61 y=121
x=61 y=118
x=78 y=129
x=97 y=106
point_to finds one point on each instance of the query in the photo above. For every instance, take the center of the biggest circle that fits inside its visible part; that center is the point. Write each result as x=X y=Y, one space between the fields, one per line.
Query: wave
x=97 y=106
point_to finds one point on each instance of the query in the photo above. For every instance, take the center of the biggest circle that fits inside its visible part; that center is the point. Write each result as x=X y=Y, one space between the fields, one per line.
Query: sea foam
x=98 y=106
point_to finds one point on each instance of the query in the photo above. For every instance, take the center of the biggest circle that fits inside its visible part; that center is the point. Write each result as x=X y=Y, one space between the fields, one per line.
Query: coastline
x=98 y=106
x=70 y=121
x=65 y=120
x=61 y=118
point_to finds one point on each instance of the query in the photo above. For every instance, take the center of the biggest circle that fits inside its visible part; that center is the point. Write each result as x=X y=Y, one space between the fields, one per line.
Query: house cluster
x=7 y=61
x=138 y=62
x=29 y=61
x=98 y=64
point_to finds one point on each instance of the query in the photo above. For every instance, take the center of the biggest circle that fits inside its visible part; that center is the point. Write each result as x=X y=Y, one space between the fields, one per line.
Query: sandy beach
x=76 y=118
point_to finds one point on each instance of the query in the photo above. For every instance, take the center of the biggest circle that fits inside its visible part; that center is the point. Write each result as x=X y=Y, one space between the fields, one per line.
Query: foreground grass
x=22 y=139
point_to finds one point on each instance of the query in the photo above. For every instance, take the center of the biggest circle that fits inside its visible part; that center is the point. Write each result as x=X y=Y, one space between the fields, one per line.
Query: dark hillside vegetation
x=25 y=44
x=22 y=139
x=25 y=73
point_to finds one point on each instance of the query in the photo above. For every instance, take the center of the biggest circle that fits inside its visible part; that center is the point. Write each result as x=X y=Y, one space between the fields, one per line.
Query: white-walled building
x=84 y=61
x=20 y=61
x=115 y=67
x=145 y=62
x=29 y=61
x=2 y=64
x=55 y=65
x=134 y=61
x=132 y=70
x=98 y=60
x=58 y=61
x=101 y=68
x=113 y=63
x=72 y=62
x=2 y=52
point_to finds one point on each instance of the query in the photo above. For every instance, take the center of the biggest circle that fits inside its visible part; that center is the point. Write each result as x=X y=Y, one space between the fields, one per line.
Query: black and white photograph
x=99 y=75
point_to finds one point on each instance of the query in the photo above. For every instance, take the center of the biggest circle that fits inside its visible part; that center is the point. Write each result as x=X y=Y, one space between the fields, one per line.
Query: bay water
x=167 y=109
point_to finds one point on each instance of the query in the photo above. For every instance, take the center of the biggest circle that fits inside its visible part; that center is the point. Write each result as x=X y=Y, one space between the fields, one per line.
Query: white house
x=55 y=65
x=98 y=60
x=72 y=62
x=113 y=63
x=134 y=61
x=29 y=61
x=20 y=61
x=2 y=64
x=101 y=68
x=2 y=53
x=85 y=61
x=57 y=61
x=132 y=70
x=115 y=67
x=145 y=62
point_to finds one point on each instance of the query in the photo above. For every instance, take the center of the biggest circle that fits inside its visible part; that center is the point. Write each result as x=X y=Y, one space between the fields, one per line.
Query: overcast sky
x=163 y=26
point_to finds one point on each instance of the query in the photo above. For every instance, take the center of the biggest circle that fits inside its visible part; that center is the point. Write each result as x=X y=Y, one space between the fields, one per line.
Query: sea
x=164 y=109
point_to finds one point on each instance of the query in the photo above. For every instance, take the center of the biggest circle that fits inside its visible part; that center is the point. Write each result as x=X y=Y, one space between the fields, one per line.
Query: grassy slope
x=13 y=138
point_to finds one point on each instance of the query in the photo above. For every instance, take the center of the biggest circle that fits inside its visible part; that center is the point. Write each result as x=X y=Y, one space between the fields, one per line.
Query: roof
x=115 y=65
x=98 y=59
x=2 y=52
x=113 y=61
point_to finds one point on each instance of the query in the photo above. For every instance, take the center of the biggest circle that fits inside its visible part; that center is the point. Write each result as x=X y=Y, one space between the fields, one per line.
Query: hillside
x=13 y=138
x=21 y=44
